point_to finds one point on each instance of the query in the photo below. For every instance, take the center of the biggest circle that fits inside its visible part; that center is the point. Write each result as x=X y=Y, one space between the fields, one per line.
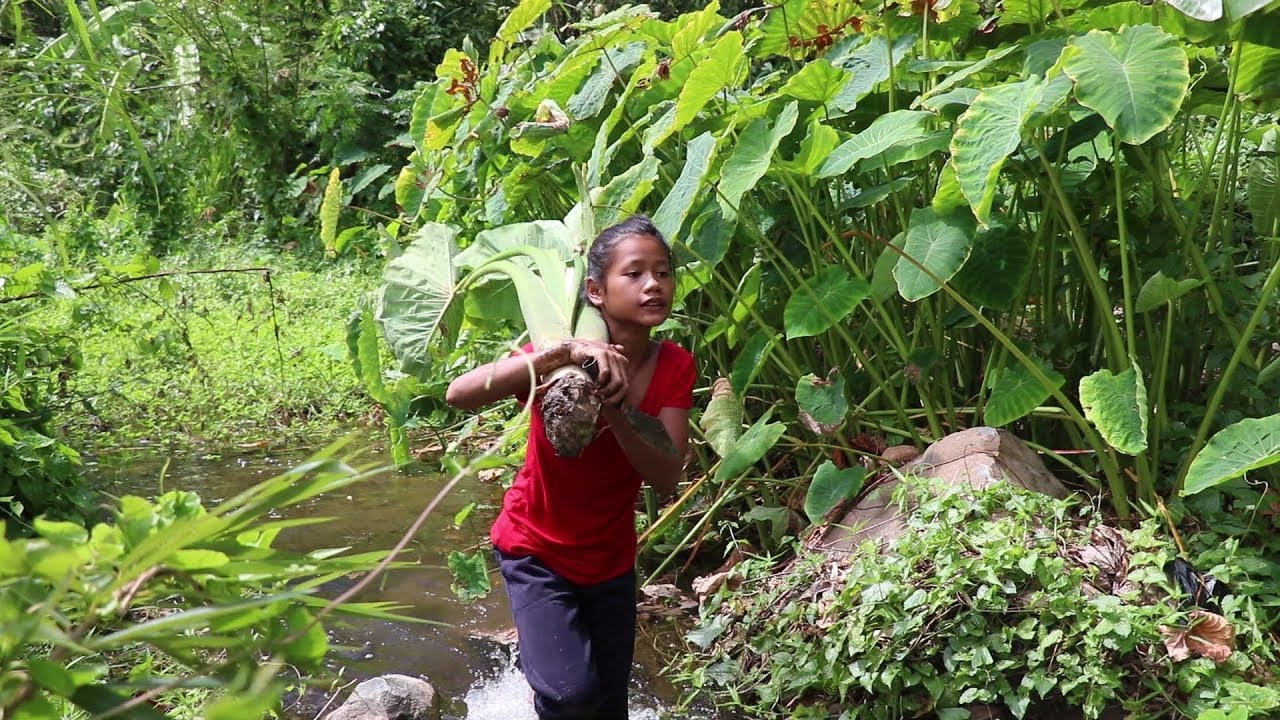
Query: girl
x=565 y=538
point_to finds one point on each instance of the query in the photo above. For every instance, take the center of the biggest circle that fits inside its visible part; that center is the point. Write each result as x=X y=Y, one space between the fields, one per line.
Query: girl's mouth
x=654 y=303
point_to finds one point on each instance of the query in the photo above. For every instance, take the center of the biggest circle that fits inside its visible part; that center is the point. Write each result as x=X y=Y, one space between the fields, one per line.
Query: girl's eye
x=632 y=273
x=663 y=273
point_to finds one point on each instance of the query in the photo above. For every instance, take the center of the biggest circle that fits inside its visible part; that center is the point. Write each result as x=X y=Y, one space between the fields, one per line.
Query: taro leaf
x=871 y=65
x=866 y=197
x=818 y=81
x=750 y=360
x=521 y=17
x=718 y=70
x=824 y=300
x=1160 y=289
x=670 y=215
x=752 y=156
x=660 y=129
x=549 y=234
x=470 y=575
x=939 y=242
x=779 y=519
x=721 y=423
x=992 y=57
x=900 y=127
x=711 y=236
x=1135 y=79
x=883 y=284
x=1233 y=451
x=1016 y=392
x=1033 y=12
x=1117 y=406
x=694 y=26
x=997 y=268
x=818 y=143
x=1264 y=193
x=1211 y=10
x=625 y=192
x=415 y=305
x=590 y=98
x=986 y=134
x=831 y=486
x=1259 y=73
x=822 y=402
x=747 y=451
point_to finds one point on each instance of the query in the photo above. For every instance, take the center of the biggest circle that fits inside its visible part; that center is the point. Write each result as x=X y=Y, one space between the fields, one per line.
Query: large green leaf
x=625 y=192
x=415 y=304
x=1210 y=10
x=824 y=300
x=1015 y=391
x=1117 y=406
x=1233 y=451
x=817 y=145
x=871 y=64
x=822 y=403
x=752 y=156
x=750 y=360
x=986 y=134
x=941 y=243
x=671 y=214
x=747 y=451
x=693 y=27
x=959 y=76
x=1258 y=76
x=551 y=235
x=591 y=97
x=1160 y=289
x=831 y=486
x=721 y=423
x=900 y=127
x=794 y=27
x=998 y=266
x=1136 y=79
x=818 y=82
x=721 y=68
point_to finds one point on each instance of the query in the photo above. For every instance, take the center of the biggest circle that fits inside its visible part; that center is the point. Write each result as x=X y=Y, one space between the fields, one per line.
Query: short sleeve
x=678 y=379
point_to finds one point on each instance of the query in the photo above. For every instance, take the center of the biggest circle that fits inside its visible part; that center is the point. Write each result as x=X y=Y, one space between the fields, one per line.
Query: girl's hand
x=611 y=365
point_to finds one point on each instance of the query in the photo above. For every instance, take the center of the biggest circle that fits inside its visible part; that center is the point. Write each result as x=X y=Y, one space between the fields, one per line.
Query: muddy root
x=570 y=408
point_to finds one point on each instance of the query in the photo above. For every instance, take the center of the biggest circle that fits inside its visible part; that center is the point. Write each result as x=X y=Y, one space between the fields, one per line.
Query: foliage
x=1038 y=221
x=199 y=591
x=993 y=596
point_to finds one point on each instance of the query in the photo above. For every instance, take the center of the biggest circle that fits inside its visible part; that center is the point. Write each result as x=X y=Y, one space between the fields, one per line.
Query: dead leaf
x=1208 y=635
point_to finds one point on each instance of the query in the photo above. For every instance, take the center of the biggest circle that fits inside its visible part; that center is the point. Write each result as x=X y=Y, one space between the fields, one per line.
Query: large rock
x=390 y=697
x=978 y=457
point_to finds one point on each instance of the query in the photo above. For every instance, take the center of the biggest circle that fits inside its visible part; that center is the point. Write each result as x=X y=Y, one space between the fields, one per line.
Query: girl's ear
x=595 y=292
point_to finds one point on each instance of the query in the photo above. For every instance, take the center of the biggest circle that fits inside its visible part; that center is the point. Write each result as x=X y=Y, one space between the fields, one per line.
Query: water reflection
x=476 y=673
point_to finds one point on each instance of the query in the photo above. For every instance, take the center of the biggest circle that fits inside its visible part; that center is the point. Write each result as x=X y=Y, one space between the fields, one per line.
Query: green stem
x=1241 y=349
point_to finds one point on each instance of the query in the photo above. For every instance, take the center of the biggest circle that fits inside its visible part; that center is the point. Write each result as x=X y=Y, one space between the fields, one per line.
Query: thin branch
x=114 y=281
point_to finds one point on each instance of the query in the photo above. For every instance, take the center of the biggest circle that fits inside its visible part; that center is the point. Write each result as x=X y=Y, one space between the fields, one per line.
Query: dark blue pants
x=576 y=642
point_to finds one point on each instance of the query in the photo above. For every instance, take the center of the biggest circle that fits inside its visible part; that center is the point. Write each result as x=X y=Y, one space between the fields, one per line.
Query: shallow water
x=474 y=675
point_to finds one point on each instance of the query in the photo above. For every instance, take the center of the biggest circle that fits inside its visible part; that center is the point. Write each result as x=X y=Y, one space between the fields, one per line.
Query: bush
x=999 y=596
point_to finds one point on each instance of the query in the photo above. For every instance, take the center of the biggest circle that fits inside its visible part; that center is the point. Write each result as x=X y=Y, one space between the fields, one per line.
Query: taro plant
x=1028 y=220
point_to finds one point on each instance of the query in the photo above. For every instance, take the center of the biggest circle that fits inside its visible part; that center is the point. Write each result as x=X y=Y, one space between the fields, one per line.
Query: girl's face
x=637 y=286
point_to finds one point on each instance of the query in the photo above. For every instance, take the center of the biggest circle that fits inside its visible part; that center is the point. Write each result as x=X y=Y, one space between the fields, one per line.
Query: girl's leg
x=555 y=648
x=609 y=612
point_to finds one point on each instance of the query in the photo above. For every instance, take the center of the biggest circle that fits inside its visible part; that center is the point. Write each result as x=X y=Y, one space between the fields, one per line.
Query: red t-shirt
x=577 y=515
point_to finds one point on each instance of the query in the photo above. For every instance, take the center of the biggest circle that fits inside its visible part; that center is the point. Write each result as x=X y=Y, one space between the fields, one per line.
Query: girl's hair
x=601 y=251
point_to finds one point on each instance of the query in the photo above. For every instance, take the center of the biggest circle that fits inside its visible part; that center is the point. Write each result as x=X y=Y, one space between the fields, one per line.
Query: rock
x=978 y=456
x=899 y=455
x=390 y=697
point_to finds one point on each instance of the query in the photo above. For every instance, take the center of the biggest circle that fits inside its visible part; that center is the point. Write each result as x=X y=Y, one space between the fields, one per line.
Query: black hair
x=601 y=251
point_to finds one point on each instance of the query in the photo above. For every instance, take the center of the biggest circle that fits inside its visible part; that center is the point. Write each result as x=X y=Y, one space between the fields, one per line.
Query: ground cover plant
x=994 y=596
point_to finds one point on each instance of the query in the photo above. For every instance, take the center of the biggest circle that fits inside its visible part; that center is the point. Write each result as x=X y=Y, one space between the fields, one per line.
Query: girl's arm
x=659 y=468
x=513 y=376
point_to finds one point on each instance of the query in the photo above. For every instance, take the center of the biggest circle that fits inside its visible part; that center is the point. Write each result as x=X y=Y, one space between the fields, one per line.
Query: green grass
x=195 y=359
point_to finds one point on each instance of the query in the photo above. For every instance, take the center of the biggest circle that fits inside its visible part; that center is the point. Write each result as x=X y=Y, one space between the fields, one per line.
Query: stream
x=473 y=674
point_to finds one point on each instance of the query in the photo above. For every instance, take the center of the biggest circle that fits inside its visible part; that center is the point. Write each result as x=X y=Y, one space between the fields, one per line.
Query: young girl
x=565 y=538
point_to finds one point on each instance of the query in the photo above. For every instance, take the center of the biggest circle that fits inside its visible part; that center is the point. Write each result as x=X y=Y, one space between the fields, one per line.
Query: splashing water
x=506 y=696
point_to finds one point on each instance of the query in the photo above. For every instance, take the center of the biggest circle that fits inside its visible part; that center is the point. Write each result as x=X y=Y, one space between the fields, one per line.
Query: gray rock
x=390 y=697
x=978 y=457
